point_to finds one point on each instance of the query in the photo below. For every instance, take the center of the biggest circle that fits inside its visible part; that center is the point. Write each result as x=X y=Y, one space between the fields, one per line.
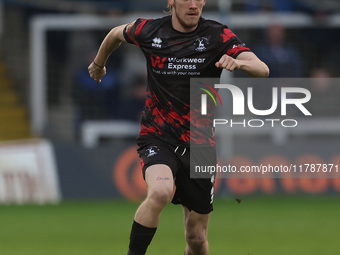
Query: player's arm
x=245 y=61
x=110 y=43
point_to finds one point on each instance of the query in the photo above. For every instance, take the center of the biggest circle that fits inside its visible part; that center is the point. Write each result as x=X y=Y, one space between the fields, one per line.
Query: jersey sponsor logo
x=184 y=63
x=176 y=63
x=157 y=61
x=172 y=66
x=187 y=60
x=200 y=44
x=157 y=42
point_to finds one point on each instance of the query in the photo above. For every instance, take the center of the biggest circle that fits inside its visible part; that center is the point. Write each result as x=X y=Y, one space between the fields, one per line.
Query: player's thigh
x=196 y=224
x=159 y=180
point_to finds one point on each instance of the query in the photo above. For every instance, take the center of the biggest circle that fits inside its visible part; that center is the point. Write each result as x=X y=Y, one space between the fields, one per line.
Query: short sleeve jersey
x=172 y=58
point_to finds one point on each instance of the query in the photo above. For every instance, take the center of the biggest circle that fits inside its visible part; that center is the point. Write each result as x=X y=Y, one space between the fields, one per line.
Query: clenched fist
x=228 y=63
x=96 y=72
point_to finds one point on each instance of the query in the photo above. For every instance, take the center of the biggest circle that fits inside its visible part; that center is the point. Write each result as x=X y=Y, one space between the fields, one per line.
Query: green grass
x=257 y=226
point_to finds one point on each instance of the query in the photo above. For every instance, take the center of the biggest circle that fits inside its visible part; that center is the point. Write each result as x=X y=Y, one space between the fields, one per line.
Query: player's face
x=186 y=14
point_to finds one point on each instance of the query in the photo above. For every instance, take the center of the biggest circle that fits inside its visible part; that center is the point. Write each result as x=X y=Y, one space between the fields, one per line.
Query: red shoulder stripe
x=141 y=25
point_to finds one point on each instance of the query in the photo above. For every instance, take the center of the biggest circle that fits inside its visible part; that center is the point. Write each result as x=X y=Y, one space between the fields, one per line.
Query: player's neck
x=176 y=24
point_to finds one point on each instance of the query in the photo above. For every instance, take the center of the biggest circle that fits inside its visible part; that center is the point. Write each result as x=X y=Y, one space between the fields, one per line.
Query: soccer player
x=176 y=47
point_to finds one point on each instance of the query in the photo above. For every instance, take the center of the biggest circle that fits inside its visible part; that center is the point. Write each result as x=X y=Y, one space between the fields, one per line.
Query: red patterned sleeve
x=232 y=44
x=132 y=31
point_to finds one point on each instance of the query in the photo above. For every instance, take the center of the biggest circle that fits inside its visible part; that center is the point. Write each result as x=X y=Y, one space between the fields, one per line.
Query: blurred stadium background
x=67 y=145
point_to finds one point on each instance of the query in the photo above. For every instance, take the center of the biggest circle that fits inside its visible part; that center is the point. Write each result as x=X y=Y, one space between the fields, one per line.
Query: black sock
x=140 y=238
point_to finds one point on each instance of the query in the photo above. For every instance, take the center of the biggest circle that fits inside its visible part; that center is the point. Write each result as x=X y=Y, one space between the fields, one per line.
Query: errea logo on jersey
x=157 y=42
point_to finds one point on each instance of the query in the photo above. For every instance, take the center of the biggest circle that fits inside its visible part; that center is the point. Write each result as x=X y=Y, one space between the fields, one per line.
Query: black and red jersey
x=173 y=58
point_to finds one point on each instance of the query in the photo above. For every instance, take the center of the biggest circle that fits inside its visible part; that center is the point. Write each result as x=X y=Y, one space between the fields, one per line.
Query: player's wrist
x=97 y=65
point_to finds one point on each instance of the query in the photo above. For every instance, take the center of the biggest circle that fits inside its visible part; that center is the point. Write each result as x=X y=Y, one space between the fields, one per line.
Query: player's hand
x=228 y=63
x=96 y=73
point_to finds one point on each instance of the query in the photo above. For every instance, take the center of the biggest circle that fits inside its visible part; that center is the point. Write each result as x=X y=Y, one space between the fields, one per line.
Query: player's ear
x=169 y=7
x=171 y=3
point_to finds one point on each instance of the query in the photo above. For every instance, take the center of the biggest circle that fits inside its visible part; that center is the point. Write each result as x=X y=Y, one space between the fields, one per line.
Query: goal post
x=39 y=27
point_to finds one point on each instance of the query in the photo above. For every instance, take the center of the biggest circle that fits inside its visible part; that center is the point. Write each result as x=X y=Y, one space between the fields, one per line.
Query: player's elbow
x=265 y=71
x=256 y=68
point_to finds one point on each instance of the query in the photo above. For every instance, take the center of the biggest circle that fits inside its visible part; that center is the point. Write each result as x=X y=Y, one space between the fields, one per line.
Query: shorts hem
x=195 y=210
x=156 y=162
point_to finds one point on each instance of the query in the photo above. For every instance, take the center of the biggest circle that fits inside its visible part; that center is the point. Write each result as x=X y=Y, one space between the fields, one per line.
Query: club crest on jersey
x=151 y=151
x=200 y=44
x=157 y=42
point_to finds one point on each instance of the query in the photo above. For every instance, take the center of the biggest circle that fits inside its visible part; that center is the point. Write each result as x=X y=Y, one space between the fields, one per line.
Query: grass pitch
x=257 y=226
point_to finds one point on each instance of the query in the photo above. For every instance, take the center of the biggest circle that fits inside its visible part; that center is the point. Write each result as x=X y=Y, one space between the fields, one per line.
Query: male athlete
x=176 y=47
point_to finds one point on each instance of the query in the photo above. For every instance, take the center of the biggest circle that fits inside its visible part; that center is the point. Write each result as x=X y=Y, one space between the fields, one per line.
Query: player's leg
x=196 y=231
x=196 y=196
x=160 y=183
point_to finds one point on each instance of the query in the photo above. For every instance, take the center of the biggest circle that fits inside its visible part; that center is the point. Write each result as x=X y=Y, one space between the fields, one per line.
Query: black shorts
x=195 y=193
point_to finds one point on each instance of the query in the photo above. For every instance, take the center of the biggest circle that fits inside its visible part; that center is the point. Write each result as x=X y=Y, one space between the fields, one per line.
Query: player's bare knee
x=160 y=196
x=196 y=241
x=196 y=237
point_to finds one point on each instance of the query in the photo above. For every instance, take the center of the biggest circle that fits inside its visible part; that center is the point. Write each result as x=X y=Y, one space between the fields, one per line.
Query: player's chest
x=179 y=56
x=178 y=46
